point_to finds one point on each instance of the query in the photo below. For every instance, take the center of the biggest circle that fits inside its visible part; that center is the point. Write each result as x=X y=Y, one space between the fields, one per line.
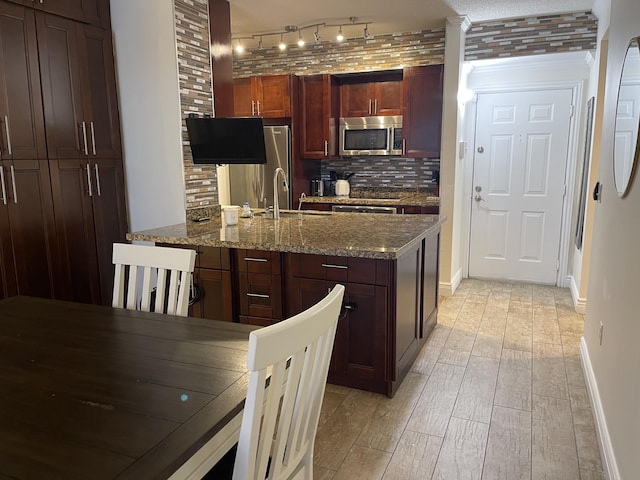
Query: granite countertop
x=385 y=196
x=320 y=233
x=417 y=199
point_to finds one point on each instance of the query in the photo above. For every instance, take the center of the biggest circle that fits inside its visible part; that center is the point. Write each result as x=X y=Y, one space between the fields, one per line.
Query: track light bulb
x=316 y=35
x=282 y=45
x=340 y=37
x=239 y=48
x=300 y=40
x=260 y=47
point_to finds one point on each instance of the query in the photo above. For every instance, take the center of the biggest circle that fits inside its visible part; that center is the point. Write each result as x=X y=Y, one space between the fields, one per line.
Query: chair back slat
x=280 y=422
x=159 y=266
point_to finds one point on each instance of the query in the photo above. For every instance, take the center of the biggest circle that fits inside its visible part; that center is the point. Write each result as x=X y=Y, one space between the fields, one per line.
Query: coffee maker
x=317 y=187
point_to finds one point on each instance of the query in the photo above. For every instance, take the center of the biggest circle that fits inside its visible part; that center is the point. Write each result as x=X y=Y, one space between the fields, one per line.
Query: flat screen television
x=219 y=140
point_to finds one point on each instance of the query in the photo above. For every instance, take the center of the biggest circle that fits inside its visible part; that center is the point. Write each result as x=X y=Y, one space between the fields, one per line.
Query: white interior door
x=519 y=168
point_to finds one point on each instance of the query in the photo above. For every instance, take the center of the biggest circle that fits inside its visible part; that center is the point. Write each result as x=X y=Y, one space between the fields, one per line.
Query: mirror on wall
x=625 y=154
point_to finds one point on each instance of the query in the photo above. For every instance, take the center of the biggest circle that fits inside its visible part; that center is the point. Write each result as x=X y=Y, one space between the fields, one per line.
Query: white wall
x=612 y=368
x=148 y=91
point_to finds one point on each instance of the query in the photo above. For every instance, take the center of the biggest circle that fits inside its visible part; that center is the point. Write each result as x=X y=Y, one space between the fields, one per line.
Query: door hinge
x=572 y=110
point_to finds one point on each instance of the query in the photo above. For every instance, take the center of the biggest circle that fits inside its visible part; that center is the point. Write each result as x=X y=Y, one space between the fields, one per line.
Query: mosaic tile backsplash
x=504 y=38
x=196 y=95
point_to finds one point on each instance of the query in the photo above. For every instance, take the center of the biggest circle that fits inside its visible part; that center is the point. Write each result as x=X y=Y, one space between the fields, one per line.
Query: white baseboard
x=580 y=304
x=610 y=466
x=447 y=289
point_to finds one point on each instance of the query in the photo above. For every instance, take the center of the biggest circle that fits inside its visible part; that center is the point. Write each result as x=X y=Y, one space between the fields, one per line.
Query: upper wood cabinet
x=268 y=96
x=422 y=111
x=95 y=12
x=78 y=89
x=319 y=112
x=371 y=98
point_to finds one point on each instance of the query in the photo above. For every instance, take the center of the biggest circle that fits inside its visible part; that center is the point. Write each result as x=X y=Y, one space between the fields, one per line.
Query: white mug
x=231 y=215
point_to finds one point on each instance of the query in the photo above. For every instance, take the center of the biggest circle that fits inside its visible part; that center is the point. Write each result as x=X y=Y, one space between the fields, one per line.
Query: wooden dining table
x=96 y=392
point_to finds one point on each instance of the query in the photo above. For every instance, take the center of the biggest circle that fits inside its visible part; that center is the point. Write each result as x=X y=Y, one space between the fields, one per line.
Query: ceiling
x=255 y=17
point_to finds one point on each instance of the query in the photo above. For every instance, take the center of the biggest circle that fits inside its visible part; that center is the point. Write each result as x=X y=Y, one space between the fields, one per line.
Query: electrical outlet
x=600 y=332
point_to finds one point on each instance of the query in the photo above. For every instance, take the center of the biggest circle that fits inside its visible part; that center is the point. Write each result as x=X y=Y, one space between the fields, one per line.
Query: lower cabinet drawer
x=260 y=296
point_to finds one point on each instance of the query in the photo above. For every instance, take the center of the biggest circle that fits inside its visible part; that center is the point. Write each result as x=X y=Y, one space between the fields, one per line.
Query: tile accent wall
x=515 y=37
x=385 y=171
x=531 y=36
x=383 y=52
x=196 y=95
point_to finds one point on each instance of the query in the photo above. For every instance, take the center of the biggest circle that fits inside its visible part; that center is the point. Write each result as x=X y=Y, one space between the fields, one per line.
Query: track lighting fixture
x=352 y=21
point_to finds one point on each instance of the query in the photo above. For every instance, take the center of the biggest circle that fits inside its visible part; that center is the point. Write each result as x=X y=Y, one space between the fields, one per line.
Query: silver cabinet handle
x=404 y=146
x=84 y=138
x=369 y=106
x=258 y=104
x=251 y=259
x=98 y=180
x=93 y=138
x=4 y=189
x=330 y=265
x=6 y=129
x=326 y=148
x=259 y=295
x=89 y=180
x=13 y=184
x=253 y=108
x=375 y=106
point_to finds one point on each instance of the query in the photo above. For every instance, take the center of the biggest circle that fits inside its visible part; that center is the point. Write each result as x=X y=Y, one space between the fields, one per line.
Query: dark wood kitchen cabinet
x=29 y=257
x=259 y=287
x=365 y=99
x=83 y=141
x=266 y=96
x=62 y=201
x=422 y=111
x=78 y=89
x=361 y=354
x=319 y=112
x=212 y=278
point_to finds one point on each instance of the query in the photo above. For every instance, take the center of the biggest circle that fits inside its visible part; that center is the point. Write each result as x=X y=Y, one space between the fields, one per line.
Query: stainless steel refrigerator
x=254 y=183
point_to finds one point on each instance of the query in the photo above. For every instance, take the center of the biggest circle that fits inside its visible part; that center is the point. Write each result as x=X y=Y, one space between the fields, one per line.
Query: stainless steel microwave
x=371 y=135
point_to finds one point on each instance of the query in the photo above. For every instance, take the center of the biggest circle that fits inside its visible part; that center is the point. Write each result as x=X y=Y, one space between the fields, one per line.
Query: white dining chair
x=160 y=267
x=279 y=422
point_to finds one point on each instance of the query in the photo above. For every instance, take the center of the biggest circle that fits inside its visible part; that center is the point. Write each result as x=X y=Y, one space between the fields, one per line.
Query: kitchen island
x=263 y=270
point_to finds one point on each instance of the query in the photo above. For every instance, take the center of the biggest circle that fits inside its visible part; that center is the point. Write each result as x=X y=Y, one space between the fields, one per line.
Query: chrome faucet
x=276 y=204
x=302 y=195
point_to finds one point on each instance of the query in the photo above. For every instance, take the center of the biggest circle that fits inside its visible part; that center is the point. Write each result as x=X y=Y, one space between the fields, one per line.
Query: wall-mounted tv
x=217 y=140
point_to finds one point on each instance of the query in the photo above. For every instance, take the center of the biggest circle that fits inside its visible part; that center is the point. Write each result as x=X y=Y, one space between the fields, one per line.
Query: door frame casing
x=569 y=71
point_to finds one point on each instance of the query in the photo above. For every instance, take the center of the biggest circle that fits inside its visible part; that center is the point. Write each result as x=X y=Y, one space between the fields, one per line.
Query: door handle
x=326 y=148
x=93 y=138
x=13 y=184
x=6 y=129
x=478 y=198
x=369 y=106
x=4 y=189
x=375 y=106
x=253 y=108
x=258 y=295
x=98 y=180
x=84 y=139
x=331 y=265
x=89 y=180
x=258 y=105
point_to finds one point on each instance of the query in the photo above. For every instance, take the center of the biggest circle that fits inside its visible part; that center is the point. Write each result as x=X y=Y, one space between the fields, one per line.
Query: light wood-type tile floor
x=497 y=392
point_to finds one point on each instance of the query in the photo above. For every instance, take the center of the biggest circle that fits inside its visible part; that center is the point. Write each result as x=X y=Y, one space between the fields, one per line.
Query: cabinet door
x=243 y=102
x=100 y=104
x=60 y=66
x=260 y=298
x=215 y=301
x=303 y=293
x=356 y=100
x=90 y=11
x=109 y=217
x=387 y=98
x=360 y=349
x=422 y=117
x=21 y=120
x=320 y=106
x=73 y=189
x=274 y=96
x=408 y=290
x=28 y=247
